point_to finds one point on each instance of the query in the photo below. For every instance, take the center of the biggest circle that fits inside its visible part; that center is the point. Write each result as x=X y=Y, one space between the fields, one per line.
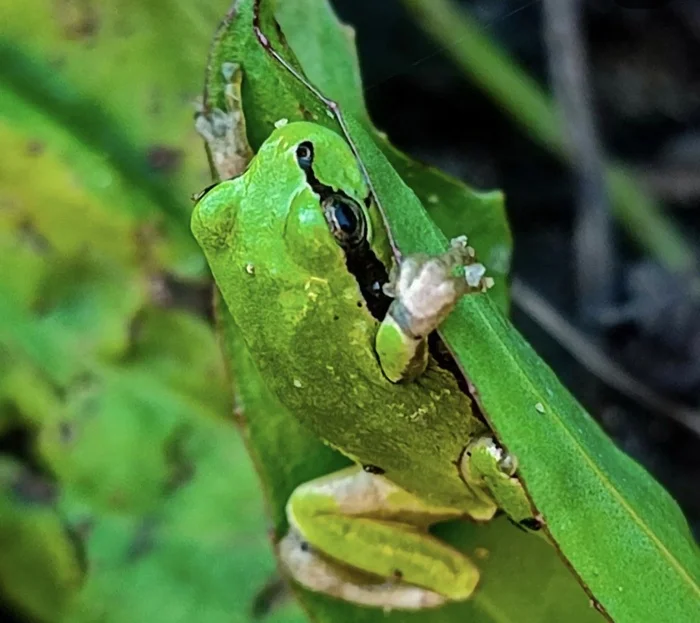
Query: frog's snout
x=213 y=219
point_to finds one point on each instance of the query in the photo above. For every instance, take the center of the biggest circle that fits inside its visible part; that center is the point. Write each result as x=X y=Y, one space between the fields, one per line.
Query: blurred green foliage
x=125 y=491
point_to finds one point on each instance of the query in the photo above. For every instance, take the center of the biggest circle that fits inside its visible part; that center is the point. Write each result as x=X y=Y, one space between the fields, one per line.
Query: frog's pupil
x=346 y=218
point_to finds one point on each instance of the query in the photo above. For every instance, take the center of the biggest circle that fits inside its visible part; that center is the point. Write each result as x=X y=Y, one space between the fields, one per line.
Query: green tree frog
x=347 y=342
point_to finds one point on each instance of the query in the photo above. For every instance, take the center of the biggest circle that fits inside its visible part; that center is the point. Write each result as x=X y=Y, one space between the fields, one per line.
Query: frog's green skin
x=287 y=283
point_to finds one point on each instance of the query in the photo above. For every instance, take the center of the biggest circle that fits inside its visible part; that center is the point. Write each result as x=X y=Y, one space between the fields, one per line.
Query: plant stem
x=594 y=243
x=518 y=94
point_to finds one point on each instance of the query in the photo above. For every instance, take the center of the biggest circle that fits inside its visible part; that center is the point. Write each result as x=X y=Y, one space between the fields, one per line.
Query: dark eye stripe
x=347 y=221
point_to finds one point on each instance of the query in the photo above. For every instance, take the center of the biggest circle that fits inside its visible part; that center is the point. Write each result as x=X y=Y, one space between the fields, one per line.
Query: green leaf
x=196 y=550
x=286 y=455
x=153 y=494
x=38 y=551
x=123 y=128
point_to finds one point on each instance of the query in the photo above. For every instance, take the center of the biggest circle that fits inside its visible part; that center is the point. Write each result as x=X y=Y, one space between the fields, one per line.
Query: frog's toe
x=485 y=465
x=487 y=453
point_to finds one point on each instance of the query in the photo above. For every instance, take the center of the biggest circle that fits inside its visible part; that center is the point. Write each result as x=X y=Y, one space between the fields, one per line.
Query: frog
x=346 y=336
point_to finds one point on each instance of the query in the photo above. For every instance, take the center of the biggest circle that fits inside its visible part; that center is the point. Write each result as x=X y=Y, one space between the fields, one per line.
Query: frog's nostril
x=196 y=197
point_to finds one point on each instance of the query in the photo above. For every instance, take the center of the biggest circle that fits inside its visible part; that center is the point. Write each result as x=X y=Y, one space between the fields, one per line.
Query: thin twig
x=595 y=361
x=594 y=247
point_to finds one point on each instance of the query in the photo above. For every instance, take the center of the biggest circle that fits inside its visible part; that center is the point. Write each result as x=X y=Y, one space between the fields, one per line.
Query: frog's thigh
x=363 y=521
x=485 y=464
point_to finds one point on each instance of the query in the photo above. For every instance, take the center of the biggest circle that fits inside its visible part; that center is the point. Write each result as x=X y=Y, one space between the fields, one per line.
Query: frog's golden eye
x=346 y=220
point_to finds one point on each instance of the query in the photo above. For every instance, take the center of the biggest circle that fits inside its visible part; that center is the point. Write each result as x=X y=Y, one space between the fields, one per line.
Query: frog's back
x=327 y=373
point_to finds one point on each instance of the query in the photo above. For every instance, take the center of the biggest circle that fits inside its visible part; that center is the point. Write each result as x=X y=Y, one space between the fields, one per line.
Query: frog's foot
x=487 y=466
x=224 y=131
x=425 y=290
x=357 y=536
x=320 y=574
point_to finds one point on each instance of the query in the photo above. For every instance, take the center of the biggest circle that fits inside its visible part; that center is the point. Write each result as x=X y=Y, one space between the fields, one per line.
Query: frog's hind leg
x=487 y=466
x=312 y=569
x=358 y=536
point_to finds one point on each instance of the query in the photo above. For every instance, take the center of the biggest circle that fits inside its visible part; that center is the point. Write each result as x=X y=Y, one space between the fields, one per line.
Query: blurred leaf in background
x=125 y=494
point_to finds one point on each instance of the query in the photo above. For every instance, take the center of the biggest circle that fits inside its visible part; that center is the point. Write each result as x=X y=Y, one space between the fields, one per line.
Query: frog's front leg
x=425 y=289
x=224 y=131
x=359 y=537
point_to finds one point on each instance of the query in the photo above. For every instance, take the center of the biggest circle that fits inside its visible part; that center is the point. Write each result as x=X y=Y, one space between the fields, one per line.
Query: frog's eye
x=305 y=156
x=346 y=220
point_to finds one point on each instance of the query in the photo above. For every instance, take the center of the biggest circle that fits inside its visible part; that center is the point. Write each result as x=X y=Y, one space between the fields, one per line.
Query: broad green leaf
x=69 y=291
x=642 y=562
x=109 y=88
x=153 y=494
x=146 y=506
x=177 y=348
x=286 y=455
x=197 y=550
x=38 y=551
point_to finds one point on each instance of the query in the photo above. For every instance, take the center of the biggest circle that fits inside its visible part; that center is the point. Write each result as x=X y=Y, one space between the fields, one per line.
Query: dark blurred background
x=645 y=90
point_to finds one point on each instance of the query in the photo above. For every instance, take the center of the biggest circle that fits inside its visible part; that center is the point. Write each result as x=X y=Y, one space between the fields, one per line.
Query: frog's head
x=297 y=247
